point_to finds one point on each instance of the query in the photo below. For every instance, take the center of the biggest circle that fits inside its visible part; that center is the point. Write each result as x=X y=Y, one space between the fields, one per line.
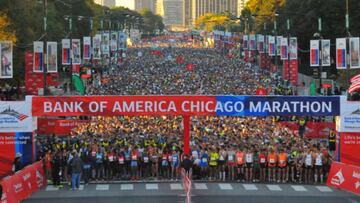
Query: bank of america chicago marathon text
x=188 y=106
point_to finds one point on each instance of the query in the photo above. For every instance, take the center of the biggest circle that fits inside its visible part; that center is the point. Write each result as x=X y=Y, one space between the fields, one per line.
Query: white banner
x=113 y=41
x=325 y=52
x=76 y=51
x=354 y=53
x=15 y=116
x=38 y=57
x=122 y=40
x=87 y=48
x=284 y=48
x=96 y=46
x=252 y=42
x=260 y=43
x=6 y=56
x=341 y=59
x=51 y=57
x=272 y=46
x=349 y=120
x=314 y=53
x=293 y=48
x=278 y=45
x=66 y=56
x=105 y=43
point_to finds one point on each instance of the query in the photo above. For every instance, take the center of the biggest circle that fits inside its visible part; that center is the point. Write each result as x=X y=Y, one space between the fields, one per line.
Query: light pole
x=288 y=49
x=348 y=35
x=45 y=47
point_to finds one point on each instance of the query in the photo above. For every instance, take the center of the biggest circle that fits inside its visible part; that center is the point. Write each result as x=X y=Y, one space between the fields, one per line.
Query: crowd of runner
x=251 y=149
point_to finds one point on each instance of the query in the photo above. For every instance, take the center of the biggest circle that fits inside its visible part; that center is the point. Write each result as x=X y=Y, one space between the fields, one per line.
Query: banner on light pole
x=97 y=46
x=341 y=58
x=260 y=43
x=314 y=53
x=51 y=57
x=38 y=57
x=325 y=52
x=76 y=51
x=278 y=45
x=105 y=43
x=6 y=62
x=245 y=42
x=284 y=48
x=114 y=41
x=272 y=46
x=293 y=48
x=66 y=57
x=354 y=52
x=87 y=48
x=252 y=44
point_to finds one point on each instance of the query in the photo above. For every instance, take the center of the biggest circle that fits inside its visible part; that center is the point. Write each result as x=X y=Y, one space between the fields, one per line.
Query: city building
x=137 y=4
x=108 y=3
x=172 y=12
x=241 y=6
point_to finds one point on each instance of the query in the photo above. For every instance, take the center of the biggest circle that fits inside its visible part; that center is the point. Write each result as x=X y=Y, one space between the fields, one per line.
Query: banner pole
x=186 y=123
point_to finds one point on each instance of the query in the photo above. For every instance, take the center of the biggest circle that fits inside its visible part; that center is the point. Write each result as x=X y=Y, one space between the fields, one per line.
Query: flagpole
x=347 y=26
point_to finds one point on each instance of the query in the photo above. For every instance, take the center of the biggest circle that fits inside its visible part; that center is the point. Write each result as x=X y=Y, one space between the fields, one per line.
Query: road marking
x=127 y=187
x=274 y=187
x=299 y=188
x=152 y=186
x=51 y=188
x=250 y=187
x=176 y=186
x=200 y=186
x=225 y=186
x=324 y=189
x=102 y=187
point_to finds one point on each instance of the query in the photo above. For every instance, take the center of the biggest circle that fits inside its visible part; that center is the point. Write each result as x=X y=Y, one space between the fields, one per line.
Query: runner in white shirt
x=318 y=166
x=249 y=158
x=308 y=162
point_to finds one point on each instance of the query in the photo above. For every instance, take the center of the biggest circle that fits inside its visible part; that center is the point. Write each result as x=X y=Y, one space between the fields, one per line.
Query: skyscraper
x=172 y=12
x=196 y=8
x=137 y=4
x=241 y=6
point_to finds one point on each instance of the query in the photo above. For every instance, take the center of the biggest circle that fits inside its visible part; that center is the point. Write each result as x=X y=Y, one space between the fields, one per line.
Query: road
x=201 y=193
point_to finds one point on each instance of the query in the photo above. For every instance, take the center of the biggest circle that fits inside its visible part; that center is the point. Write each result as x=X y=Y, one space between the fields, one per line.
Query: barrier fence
x=24 y=183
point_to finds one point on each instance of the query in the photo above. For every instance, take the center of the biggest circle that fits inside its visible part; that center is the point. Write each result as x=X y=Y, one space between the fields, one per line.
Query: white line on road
x=51 y=188
x=324 y=189
x=250 y=187
x=299 y=188
x=152 y=186
x=200 y=186
x=102 y=187
x=274 y=187
x=176 y=186
x=225 y=186
x=127 y=187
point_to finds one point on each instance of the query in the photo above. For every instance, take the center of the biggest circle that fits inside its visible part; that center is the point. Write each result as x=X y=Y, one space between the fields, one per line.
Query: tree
x=151 y=22
x=6 y=33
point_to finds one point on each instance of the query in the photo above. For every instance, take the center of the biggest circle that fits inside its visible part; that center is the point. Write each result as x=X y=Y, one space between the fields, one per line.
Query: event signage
x=186 y=105
x=51 y=59
x=354 y=52
x=245 y=42
x=272 y=46
x=66 y=49
x=87 y=48
x=349 y=116
x=97 y=47
x=76 y=51
x=6 y=62
x=325 y=52
x=284 y=48
x=22 y=184
x=252 y=43
x=38 y=56
x=341 y=53
x=349 y=148
x=278 y=45
x=314 y=53
x=15 y=116
x=344 y=176
x=293 y=48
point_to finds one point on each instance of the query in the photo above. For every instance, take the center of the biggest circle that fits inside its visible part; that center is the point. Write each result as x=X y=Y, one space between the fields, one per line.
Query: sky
x=125 y=3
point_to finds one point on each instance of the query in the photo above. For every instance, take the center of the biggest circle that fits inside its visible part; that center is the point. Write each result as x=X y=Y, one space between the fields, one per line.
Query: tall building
x=108 y=3
x=172 y=12
x=241 y=6
x=196 y=8
x=137 y=4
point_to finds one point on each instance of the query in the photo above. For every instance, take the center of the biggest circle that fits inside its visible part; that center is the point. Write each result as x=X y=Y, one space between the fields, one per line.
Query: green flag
x=78 y=84
x=312 y=89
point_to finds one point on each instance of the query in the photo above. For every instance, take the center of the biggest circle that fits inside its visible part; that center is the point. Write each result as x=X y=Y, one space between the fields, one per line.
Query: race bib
x=230 y=158
x=121 y=160
x=146 y=159
x=272 y=161
x=111 y=158
x=204 y=160
x=262 y=160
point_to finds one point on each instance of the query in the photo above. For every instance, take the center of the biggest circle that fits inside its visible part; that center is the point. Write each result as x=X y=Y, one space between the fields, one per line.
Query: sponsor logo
x=13 y=113
x=39 y=179
x=356 y=112
x=338 y=179
x=18 y=187
x=356 y=175
x=357 y=184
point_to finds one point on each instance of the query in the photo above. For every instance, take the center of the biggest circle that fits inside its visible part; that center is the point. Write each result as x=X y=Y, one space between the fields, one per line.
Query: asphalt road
x=201 y=192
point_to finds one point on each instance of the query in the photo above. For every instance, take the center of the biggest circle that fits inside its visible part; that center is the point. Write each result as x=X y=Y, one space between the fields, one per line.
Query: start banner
x=22 y=184
x=345 y=177
x=186 y=105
